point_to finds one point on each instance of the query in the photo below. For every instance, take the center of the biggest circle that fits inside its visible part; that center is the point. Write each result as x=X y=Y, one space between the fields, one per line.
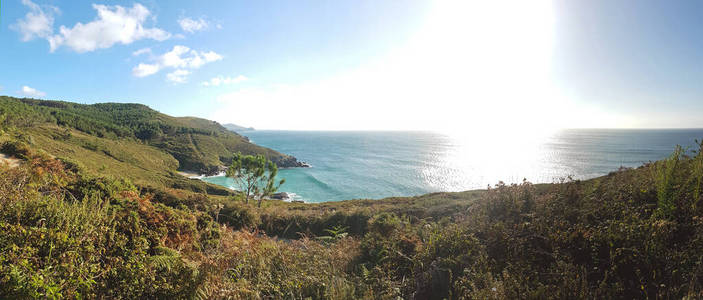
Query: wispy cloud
x=32 y=92
x=141 y=51
x=191 y=25
x=180 y=58
x=220 y=80
x=37 y=23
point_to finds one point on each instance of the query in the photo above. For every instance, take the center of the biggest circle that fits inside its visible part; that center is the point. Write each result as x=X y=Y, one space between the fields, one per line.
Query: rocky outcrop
x=212 y=170
x=291 y=162
x=280 y=196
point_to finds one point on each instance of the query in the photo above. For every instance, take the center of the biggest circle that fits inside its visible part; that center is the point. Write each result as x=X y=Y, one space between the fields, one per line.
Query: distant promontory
x=236 y=128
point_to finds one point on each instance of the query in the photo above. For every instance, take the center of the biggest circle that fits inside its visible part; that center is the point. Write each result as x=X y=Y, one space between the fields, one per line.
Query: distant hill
x=198 y=145
x=237 y=128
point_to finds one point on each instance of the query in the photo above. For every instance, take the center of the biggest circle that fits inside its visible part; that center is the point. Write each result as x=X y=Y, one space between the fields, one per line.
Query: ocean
x=372 y=165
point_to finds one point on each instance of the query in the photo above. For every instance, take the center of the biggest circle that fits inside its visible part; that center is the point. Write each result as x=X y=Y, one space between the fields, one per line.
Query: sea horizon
x=378 y=164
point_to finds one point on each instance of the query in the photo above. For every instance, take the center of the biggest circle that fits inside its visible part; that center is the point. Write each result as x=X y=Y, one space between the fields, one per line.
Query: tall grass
x=667 y=183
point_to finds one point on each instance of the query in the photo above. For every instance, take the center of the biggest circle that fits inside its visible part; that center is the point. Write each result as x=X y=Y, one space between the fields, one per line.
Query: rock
x=212 y=170
x=291 y=162
x=280 y=196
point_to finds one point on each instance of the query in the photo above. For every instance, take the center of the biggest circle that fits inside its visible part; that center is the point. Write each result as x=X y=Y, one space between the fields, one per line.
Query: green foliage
x=138 y=230
x=15 y=148
x=254 y=267
x=667 y=183
x=337 y=233
x=70 y=236
x=239 y=216
x=198 y=144
x=255 y=175
x=697 y=175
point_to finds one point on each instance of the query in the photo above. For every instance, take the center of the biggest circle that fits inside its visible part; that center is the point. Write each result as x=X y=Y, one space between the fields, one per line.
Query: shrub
x=15 y=148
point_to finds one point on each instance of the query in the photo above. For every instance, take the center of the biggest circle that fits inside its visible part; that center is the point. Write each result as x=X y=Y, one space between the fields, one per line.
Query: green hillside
x=197 y=144
x=91 y=207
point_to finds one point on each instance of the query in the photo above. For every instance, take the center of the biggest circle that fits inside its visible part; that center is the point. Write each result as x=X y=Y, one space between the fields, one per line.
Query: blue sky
x=268 y=42
x=642 y=58
x=433 y=65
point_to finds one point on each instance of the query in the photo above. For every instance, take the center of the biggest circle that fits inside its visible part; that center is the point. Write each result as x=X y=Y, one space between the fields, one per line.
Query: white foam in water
x=294 y=197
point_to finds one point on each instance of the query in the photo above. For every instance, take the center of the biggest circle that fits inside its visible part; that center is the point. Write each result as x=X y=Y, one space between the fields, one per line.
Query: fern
x=202 y=293
x=163 y=262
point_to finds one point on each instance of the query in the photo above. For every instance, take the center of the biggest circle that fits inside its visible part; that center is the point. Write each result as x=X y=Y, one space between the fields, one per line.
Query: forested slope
x=197 y=144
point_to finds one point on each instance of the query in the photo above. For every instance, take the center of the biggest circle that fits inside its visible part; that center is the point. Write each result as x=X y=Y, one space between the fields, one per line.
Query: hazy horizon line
x=440 y=131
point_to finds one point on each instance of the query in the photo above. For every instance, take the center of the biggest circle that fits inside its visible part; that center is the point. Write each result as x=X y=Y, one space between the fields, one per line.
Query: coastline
x=188 y=174
x=285 y=196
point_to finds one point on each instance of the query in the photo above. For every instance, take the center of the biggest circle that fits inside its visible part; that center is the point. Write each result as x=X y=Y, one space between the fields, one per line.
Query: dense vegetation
x=197 y=144
x=74 y=229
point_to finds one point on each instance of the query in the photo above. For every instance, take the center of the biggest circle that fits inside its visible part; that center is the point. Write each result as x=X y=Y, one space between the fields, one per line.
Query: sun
x=490 y=62
x=473 y=67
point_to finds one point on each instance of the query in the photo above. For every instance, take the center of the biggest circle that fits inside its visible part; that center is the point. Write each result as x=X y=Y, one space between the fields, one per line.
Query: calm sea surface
x=352 y=165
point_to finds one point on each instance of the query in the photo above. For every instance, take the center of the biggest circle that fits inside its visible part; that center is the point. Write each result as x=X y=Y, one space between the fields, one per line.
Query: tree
x=255 y=175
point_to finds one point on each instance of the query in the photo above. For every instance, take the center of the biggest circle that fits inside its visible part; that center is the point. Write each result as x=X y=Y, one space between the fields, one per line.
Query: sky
x=461 y=66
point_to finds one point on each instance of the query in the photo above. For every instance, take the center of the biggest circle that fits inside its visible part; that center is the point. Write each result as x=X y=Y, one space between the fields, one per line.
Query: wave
x=294 y=197
x=320 y=183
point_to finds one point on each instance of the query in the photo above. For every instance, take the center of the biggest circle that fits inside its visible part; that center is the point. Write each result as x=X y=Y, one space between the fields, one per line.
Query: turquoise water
x=352 y=165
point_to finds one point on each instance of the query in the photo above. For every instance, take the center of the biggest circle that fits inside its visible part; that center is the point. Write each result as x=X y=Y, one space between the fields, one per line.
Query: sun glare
x=473 y=67
x=491 y=61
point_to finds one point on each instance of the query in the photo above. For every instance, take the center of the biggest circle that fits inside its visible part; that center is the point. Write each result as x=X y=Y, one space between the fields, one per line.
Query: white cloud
x=32 y=92
x=141 y=51
x=178 y=76
x=220 y=80
x=37 y=23
x=180 y=58
x=184 y=57
x=114 y=24
x=143 y=70
x=191 y=26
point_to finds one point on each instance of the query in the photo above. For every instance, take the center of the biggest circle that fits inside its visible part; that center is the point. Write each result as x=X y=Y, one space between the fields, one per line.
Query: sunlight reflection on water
x=349 y=165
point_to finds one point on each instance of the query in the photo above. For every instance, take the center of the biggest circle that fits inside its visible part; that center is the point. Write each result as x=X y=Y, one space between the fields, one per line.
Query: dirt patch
x=13 y=162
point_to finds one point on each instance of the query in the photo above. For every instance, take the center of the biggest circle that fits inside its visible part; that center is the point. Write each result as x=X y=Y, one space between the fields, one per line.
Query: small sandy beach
x=188 y=174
